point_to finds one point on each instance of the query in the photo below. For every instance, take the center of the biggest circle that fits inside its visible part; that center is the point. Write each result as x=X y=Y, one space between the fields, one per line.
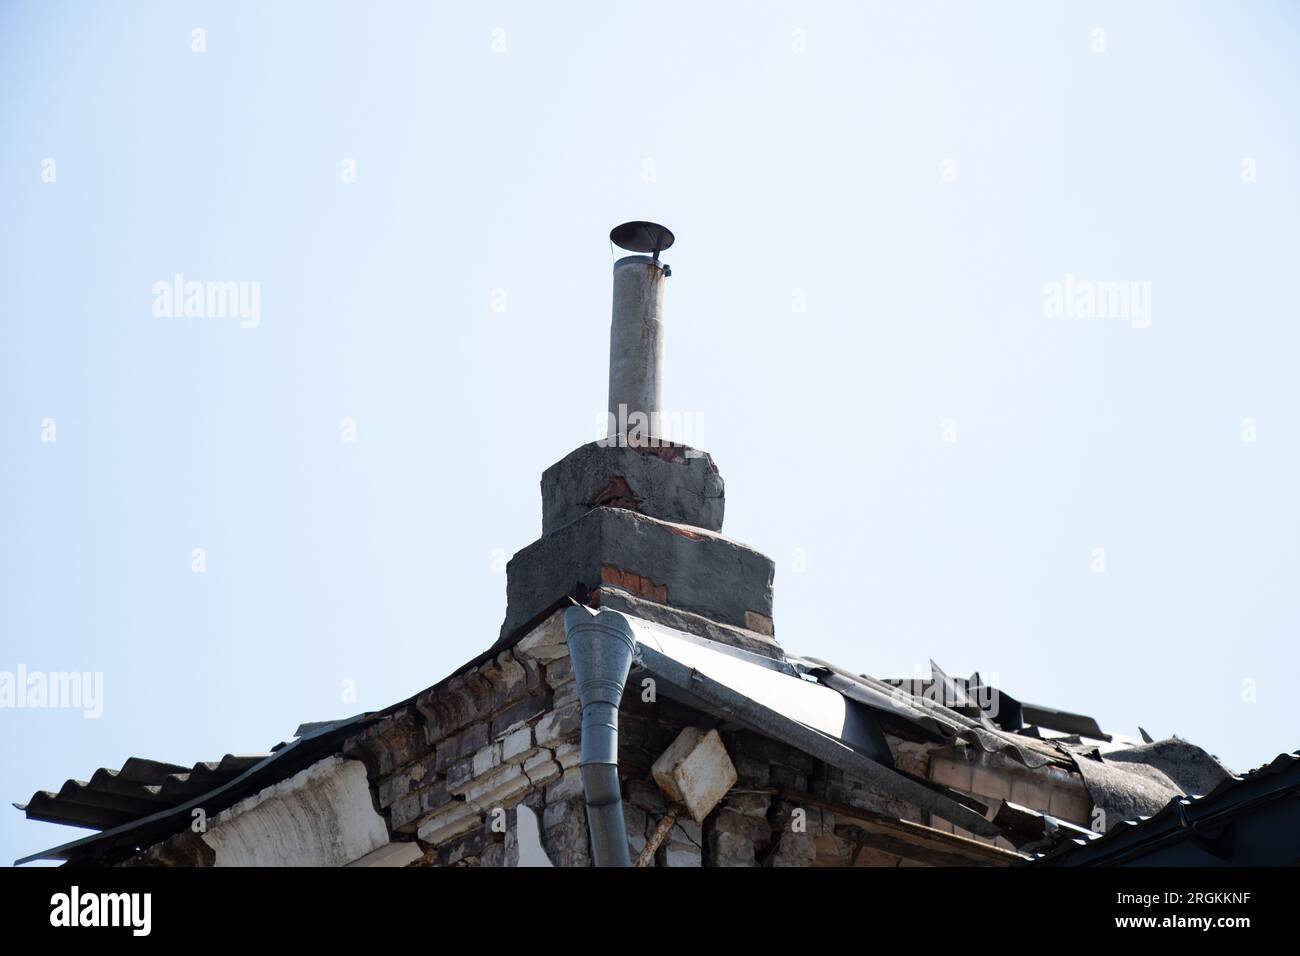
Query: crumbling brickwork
x=777 y=814
x=450 y=770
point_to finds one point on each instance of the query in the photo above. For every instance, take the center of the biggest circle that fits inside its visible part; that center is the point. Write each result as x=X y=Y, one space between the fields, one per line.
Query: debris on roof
x=825 y=711
x=1247 y=820
x=1139 y=780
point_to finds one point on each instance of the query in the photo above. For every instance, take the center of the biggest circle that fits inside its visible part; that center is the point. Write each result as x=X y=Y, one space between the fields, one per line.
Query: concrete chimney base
x=710 y=585
x=669 y=482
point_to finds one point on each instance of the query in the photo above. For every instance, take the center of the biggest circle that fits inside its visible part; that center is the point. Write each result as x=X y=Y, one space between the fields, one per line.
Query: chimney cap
x=641 y=236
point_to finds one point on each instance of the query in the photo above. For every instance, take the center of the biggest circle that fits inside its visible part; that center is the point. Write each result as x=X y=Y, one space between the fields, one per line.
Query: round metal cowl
x=642 y=236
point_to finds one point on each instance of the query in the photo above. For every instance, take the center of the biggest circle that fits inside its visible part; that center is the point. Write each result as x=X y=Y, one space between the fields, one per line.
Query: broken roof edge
x=862 y=752
x=1183 y=816
x=900 y=705
x=819 y=724
x=298 y=753
x=305 y=733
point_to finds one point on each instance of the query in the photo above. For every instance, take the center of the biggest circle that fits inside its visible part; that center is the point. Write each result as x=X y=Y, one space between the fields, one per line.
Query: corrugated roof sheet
x=140 y=787
x=168 y=792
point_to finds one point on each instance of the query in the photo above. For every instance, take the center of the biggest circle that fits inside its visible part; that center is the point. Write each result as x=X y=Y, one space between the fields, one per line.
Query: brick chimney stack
x=631 y=521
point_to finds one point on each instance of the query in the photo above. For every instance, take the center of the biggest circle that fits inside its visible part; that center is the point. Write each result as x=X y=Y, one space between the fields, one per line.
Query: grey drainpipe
x=601 y=649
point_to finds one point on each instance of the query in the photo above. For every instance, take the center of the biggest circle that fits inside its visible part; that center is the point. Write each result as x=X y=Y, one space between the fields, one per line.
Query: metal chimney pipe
x=636 y=335
x=636 y=343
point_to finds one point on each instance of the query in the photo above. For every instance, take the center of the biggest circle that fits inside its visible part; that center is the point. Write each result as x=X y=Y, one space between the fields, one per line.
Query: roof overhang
x=127 y=838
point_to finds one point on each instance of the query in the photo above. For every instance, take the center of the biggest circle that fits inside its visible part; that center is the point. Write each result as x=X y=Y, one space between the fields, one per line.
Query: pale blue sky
x=778 y=170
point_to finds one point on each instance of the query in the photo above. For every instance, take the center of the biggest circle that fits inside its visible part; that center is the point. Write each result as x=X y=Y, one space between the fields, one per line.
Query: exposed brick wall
x=475 y=747
x=631 y=581
x=993 y=778
x=450 y=771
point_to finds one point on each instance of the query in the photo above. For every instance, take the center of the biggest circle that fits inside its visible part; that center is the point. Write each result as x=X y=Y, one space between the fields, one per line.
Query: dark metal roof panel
x=915 y=706
x=806 y=715
x=140 y=787
x=214 y=786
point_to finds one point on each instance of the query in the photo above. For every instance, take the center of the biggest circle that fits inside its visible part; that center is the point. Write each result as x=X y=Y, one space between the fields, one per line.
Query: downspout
x=601 y=649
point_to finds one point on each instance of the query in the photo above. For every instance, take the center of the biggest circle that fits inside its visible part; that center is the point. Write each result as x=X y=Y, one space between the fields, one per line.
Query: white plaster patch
x=321 y=816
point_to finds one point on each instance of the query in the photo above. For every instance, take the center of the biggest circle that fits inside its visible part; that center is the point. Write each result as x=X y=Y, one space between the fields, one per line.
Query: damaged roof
x=139 y=788
x=1252 y=819
x=146 y=801
x=832 y=714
